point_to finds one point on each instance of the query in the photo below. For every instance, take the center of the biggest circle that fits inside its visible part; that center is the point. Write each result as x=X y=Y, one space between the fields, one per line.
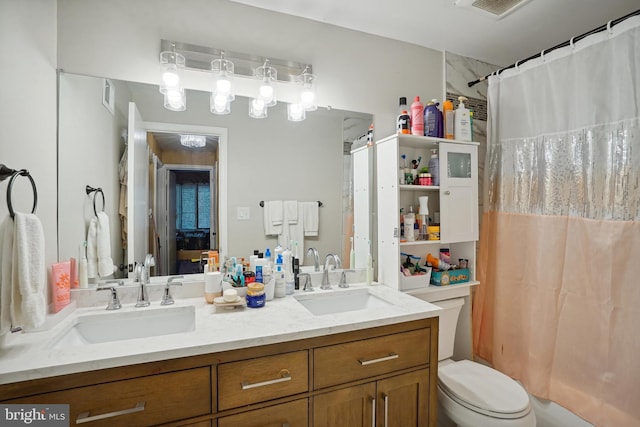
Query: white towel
x=29 y=304
x=293 y=233
x=291 y=211
x=105 y=262
x=310 y=218
x=92 y=249
x=6 y=285
x=273 y=216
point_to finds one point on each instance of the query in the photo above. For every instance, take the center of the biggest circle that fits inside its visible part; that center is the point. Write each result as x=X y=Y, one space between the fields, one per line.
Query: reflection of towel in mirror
x=291 y=211
x=22 y=281
x=272 y=213
x=105 y=262
x=92 y=249
x=310 y=218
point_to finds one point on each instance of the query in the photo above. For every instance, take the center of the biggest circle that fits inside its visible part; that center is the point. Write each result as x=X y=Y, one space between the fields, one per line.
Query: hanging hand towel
x=6 y=272
x=29 y=305
x=310 y=218
x=105 y=262
x=272 y=213
x=291 y=211
x=92 y=249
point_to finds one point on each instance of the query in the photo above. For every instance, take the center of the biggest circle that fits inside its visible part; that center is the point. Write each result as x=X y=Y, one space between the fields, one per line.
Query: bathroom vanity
x=278 y=365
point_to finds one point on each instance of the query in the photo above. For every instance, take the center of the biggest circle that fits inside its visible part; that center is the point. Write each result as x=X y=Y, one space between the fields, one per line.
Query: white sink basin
x=340 y=301
x=126 y=325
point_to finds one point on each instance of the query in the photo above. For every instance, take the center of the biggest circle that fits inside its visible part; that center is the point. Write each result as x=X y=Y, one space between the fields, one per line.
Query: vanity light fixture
x=222 y=93
x=296 y=112
x=193 y=141
x=308 y=94
x=171 y=80
x=267 y=76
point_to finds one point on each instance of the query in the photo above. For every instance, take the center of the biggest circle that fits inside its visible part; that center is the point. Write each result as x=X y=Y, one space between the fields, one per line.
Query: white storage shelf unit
x=455 y=199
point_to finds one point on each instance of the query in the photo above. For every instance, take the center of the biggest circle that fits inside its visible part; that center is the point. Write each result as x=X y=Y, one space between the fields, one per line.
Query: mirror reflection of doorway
x=184 y=191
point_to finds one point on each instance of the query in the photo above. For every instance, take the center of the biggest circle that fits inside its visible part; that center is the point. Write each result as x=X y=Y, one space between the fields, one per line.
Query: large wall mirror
x=186 y=200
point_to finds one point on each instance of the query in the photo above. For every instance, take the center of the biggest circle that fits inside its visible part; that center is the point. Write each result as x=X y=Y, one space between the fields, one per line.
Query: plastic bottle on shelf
x=417 y=117
x=462 y=127
x=403 y=122
x=433 y=119
x=448 y=121
x=434 y=167
x=370 y=135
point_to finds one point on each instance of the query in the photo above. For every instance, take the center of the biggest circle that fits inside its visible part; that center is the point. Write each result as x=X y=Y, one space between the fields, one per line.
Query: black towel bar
x=89 y=189
x=262 y=203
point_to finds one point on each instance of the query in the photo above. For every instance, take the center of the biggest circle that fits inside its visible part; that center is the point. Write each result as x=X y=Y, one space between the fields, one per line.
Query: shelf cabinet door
x=388 y=212
x=351 y=406
x=403 y=400
x=458 y=193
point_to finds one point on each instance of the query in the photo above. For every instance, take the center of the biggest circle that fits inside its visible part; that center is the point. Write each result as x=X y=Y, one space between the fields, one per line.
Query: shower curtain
x=558 y=307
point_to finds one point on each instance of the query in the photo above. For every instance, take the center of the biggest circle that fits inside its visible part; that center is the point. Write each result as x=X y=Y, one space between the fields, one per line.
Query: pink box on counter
x=61 y=274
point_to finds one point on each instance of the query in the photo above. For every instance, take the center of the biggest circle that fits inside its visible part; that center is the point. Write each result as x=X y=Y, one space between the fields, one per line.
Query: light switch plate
x=244 y=213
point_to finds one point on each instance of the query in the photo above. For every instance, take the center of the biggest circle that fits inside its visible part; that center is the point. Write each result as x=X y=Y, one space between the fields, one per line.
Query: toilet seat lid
x=483 y=389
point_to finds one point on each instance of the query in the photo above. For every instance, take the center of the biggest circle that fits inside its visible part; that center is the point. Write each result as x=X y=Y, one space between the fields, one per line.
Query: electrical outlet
x=244 y=213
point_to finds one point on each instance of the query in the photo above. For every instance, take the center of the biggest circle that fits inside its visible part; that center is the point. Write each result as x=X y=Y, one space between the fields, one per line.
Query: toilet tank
x=447 y=325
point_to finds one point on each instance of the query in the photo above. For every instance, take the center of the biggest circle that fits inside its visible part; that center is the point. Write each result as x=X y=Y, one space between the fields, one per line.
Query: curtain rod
x=609 y=25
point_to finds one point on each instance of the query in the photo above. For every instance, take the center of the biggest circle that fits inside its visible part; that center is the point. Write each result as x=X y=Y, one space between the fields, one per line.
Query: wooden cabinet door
x=351 y=406
x=403 y=400
x=291 y=414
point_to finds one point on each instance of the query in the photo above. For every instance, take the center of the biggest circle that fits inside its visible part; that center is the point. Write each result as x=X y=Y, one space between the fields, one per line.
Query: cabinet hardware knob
x=447 y=192
x=391 y=356
x=85 y=418
x=285 y=375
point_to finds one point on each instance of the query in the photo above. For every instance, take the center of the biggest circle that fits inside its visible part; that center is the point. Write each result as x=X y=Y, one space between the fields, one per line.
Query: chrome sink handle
x=308 y=285
x=343 y=280
x=325 y=275
x=114 y=301
x=167 y=299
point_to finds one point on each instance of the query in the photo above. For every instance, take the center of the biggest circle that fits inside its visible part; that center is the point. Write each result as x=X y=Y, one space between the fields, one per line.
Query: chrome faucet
x=308 y=285
x=142 y=273
x=325 y=275
x=114 y=301
x=316 y=261
x=167 y=299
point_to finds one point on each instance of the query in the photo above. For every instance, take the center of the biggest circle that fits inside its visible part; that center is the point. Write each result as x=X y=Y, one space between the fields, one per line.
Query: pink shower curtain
x=558 y=307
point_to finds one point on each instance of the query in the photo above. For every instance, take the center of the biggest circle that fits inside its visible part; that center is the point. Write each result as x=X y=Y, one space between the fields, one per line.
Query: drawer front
x=291 y=414
x=341 y=363
x=136 y=402
x=261 y=379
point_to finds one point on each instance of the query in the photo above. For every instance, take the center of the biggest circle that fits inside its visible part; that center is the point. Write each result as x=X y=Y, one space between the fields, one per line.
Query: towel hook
x=4 y=173
x=90 y=190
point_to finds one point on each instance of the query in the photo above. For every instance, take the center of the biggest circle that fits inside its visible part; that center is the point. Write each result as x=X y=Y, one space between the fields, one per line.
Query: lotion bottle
x=447 y=113
x=462 y=128
x=417 y=117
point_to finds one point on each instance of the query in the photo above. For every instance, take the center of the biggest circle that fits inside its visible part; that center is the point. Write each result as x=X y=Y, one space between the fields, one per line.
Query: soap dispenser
x=462 y=128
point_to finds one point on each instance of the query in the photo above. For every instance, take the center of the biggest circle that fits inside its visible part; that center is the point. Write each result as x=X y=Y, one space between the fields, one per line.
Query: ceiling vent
x=496 y=9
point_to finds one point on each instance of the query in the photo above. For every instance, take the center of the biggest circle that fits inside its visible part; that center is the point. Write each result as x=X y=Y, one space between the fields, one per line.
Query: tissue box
x=449 y=277
x=416 y=281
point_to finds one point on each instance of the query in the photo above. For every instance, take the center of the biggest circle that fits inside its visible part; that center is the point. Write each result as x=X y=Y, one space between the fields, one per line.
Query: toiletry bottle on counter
x=417 y=117
x=280 y=290
x=462 y=127
x=83 y=279
x=448 y=121
x=352 y=256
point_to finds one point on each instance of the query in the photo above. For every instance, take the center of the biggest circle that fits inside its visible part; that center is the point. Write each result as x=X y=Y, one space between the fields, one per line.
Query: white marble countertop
x=32 y=355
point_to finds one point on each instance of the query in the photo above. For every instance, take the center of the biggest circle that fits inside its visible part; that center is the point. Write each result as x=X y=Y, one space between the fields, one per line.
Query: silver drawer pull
x=285 y=375
x=386 y=409
x=85 y=418
x=373 y=411
x=391 y=356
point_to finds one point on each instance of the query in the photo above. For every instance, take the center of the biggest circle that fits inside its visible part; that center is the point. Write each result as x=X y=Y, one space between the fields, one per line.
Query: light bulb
x=258 y=105
x=295 y=112
x=266 y=92
x=170 y=77
x=308 y=98
x=223 y=87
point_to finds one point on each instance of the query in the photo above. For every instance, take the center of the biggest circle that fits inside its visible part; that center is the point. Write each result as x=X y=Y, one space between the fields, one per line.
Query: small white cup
x=230 y=295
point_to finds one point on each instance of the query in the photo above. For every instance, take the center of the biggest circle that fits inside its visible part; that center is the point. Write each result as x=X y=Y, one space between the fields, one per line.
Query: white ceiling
x=441 y=25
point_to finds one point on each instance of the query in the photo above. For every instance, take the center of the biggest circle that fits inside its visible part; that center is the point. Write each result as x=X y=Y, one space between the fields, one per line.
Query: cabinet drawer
x=292 y=414
x=264 y=378
x=341 y=363
x=136 y=402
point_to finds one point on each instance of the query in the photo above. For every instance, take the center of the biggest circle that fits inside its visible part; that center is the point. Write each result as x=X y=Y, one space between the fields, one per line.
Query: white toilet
x=471 y=394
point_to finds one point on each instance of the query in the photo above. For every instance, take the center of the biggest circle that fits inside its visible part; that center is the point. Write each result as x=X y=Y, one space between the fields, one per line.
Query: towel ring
x=22 y=172
x=90 y=190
